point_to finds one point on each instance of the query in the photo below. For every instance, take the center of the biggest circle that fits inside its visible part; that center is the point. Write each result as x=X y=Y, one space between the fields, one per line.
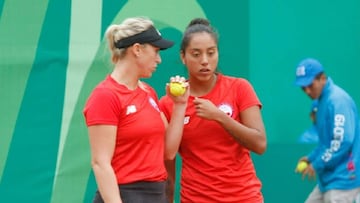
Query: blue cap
x=306 y=71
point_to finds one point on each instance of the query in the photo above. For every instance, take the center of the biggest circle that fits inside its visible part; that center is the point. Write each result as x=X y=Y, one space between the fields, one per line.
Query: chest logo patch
x=186 y=119
x=153 y=104
x=130 y=109
x=226 y=108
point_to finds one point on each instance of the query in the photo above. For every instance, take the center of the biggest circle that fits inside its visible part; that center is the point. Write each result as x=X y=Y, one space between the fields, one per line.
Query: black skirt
x=139 y=192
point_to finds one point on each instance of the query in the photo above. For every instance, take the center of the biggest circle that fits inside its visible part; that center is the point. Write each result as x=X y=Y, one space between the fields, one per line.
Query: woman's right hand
x=183 y=98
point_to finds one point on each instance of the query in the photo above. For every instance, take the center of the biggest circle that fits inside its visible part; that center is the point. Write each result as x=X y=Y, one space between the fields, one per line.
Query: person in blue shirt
x=310 y=136
x=336 y=158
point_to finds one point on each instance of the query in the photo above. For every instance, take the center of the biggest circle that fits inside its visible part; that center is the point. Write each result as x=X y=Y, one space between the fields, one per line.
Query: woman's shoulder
x=165 y=100
x=147 y=88
x=232 y=80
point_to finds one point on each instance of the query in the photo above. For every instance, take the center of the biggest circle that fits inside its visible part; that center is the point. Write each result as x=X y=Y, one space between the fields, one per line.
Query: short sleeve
x=165 y=105
x=246 y=95
x=102 y=108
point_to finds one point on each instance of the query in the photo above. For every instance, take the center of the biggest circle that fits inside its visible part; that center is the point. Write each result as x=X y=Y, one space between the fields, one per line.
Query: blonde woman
x=126 y=128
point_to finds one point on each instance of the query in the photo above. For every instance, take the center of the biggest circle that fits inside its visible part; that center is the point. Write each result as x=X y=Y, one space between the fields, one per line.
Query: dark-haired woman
x=222 y=126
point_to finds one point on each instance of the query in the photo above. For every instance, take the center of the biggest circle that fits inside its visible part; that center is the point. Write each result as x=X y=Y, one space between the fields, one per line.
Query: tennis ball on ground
x=301 y=166
x=177 y=89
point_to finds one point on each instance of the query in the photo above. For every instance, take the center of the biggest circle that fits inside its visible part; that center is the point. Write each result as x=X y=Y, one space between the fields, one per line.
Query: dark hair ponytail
x=200 y=21
x=197 y=25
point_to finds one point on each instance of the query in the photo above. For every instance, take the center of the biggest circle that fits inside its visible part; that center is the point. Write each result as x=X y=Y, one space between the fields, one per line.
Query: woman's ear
x=182 y=57
x=136 y=49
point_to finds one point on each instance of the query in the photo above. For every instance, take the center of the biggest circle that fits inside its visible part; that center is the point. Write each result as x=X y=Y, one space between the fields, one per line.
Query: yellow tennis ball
x=301 y=166
x=177 y=89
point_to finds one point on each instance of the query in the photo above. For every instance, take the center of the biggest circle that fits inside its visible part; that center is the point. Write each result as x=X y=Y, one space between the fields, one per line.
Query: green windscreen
x=53 y=53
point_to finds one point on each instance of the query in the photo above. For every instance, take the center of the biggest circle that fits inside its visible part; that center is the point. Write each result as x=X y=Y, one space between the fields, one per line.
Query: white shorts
x=334 y=196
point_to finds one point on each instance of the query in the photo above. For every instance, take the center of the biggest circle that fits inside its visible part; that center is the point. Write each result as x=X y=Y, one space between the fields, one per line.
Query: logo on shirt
x=338 y=137
x=226 y=108
x=153 y=104
x=130 y=109
x=186 y=120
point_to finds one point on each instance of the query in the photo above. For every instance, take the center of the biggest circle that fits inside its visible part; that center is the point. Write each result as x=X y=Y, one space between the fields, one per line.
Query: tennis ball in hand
x=301 y=166
x=176 y=89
